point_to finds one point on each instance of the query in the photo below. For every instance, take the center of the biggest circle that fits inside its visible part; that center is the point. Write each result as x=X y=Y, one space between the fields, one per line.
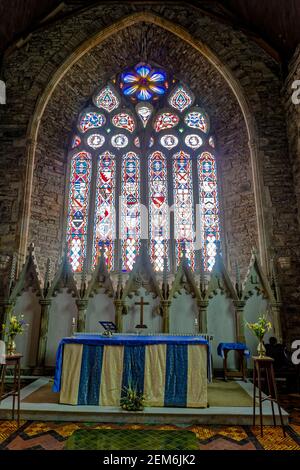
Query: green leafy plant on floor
x=132 y=400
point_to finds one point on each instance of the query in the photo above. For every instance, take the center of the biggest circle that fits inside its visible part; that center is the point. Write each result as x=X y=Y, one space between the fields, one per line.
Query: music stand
x=109 y=327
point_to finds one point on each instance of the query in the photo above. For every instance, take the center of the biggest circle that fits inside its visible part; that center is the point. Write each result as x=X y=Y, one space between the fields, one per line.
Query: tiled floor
x=53 y=436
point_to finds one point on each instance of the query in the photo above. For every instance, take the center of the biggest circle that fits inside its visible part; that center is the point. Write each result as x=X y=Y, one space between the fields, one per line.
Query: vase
x=11 y=345
x=261 y=348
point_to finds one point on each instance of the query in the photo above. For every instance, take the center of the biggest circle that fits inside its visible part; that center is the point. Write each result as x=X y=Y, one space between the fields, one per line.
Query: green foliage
x=132 y=400
x=261 y=327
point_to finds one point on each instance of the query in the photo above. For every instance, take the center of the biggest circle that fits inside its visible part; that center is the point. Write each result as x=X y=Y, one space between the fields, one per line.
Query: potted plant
x=259 y=329
x=132 y=400
x=16 y=326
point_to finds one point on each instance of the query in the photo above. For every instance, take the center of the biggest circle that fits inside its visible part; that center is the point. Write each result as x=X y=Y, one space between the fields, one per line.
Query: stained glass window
x=165 y=121
x=124 y=121
x=169 y=141
x=181 y=98
x=119 y=141
x=107 y=99
x=193 y=141
x=197 y=119
x=144 y=82
x=76 y=141
x=183 y=206
x=133 y=131
x=104 y=223
x=95 y=141
x=158 y=209
x=91 y=120
x=211 y=142
x=209 y=208
x=79 y=190
x=130 y=211
x=144 y=111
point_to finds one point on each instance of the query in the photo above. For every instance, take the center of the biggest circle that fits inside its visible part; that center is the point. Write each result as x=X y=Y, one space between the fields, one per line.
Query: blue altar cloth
x=95 y=370
x=235 y=346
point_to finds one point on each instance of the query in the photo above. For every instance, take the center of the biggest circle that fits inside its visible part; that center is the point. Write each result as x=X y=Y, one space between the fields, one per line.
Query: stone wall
x=293 y=132
x=29 y=69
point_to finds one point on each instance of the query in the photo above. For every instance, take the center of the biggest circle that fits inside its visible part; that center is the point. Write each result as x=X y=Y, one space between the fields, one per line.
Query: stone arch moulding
x=90 y=43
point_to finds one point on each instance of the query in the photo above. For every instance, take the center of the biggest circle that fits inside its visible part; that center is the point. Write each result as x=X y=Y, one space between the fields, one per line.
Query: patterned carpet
x=53 y=435
x=35 y=435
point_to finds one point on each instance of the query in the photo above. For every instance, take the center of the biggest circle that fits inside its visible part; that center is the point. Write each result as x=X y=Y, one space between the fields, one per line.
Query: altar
x=171 y=371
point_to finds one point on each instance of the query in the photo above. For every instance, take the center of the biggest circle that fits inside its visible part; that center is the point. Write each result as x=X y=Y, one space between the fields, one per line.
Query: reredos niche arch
x=90 y=66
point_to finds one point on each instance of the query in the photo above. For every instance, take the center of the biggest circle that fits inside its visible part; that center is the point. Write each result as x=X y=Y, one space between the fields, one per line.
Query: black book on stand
x=109 y=327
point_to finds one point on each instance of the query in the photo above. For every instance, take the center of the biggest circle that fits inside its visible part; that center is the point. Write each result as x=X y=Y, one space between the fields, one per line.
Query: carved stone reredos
x=101 y=280
x=63 y=279
x=184 y=280
x=220 y=281
x=142 y=275
x=256 y=280
x=29 y=277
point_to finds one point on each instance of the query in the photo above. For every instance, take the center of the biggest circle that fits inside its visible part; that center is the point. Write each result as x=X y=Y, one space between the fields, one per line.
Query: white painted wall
x=62 y=310
x=221 y=324
x=183 y=313
x=27 y=344
x=100 y=308
x=152 y=318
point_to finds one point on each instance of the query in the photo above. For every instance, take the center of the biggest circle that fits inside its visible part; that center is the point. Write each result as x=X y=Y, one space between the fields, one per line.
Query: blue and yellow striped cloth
x=169 y=370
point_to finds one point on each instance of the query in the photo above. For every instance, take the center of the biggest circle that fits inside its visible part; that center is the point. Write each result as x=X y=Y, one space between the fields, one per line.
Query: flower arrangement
x=132 y=400
x=16 y=326
x=259 y=329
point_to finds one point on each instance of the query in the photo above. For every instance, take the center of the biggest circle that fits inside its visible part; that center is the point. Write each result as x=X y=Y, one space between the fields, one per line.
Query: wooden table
x=15 y=362
x=240 y=348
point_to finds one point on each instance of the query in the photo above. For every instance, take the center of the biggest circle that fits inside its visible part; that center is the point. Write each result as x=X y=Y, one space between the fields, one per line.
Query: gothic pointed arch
x=63 y=279
x=220 y=281
x=184 y=281
x=97 y=39
x=100 y=280
x=257 y=281
x=142 y=275
x=29 y=277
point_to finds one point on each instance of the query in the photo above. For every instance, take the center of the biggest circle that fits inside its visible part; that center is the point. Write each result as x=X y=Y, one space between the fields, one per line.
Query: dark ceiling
x=273 y=23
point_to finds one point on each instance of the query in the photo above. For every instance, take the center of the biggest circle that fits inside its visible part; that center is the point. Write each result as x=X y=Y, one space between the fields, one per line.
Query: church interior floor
x=52 y=434
x=230 y=403
x=37 y=435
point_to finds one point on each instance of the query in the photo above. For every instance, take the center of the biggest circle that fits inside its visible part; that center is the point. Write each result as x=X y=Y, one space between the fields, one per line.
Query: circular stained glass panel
x=120 y=141
x=169 y=141
x=193 y=141
x=95 y=141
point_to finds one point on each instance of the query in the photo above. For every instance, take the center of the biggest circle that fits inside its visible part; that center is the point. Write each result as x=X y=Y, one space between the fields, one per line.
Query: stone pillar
x=275 y=312
x=239 y=317
x=5 y=308
x=202 y=315
x=41 y=355
x=119 y=304
x=166 y=318
x=82 y=306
